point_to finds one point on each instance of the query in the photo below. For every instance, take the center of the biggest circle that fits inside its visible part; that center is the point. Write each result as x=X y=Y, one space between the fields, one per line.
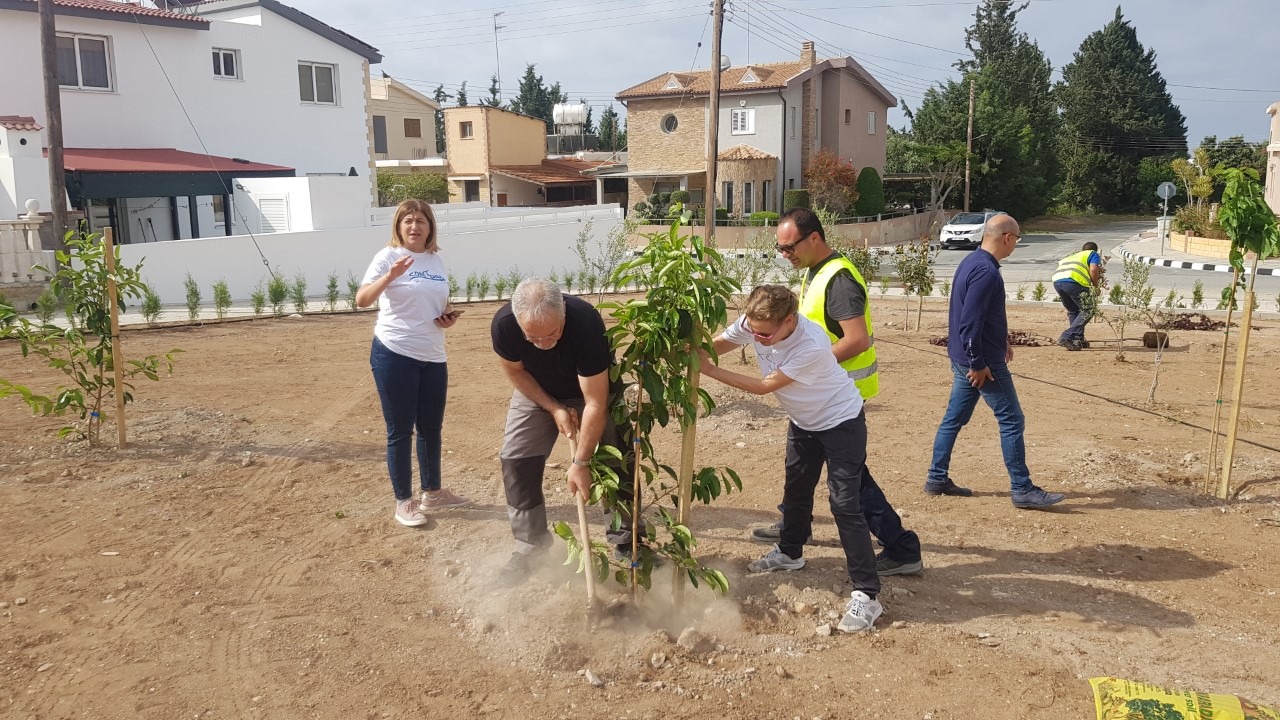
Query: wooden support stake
x=1242 y=355
x=635 y=495
x=1211 y=462
x=687 y=446
x=584 y=535
x=117 y=357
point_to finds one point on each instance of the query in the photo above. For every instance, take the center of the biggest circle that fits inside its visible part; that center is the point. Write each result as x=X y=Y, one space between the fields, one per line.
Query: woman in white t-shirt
x=410 y=283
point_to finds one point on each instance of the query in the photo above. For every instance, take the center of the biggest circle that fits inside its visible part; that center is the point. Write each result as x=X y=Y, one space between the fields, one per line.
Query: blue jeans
x=1003 y=399
x=412 y=394
x=1070 y=293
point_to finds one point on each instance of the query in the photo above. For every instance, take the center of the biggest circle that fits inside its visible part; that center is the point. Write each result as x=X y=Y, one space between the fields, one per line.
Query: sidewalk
x=1146 y=247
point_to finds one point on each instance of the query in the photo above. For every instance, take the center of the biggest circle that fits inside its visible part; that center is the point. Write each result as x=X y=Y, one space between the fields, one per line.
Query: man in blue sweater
x=978 y=346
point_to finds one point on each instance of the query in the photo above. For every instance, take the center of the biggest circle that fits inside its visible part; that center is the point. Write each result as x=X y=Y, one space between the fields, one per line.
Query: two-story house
x=160 y=108
x=404 y=127
x=499 y=157
x=773 y=118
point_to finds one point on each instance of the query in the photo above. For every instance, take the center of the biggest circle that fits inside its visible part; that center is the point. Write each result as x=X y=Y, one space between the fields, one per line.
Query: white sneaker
x=860 y=614
x=408 y=512
x=775 y=559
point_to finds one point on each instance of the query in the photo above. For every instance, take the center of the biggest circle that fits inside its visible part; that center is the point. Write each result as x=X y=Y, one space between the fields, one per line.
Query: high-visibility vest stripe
x=1075 y=267
x=862 y=368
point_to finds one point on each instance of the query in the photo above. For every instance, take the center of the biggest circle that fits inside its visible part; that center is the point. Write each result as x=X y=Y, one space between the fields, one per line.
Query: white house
x=161 y=109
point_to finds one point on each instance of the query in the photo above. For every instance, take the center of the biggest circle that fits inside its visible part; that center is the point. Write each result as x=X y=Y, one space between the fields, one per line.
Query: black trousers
x=843 y=449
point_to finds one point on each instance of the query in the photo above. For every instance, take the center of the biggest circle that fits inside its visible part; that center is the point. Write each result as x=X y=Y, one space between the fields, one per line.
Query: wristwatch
x=582 y=463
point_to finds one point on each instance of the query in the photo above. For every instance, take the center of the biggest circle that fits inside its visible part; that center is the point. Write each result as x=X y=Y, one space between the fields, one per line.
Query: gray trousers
x=530 y=435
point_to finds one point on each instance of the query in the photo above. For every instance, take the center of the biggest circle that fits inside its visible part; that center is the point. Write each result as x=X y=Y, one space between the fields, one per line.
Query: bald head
x=1001 y=235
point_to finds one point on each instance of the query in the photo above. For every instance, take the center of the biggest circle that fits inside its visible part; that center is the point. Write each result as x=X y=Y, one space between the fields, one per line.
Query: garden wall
x=890 y=231
x=1203 y=247
x=534 y=240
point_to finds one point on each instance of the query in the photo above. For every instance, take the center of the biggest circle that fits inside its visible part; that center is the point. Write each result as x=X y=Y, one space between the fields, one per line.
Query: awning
x=108 y=173
x=549 y=172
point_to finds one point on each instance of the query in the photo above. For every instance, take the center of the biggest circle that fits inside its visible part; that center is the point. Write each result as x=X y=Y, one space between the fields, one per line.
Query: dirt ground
x=240 y=560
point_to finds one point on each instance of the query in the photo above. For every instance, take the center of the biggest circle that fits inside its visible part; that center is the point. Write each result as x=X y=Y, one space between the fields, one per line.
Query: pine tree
x=495 y=97
x=534 y=99
x=609 y=129
x=589 y=127
x=1015 y=165
x=441 y=97
x=462 y=94
x=1116 y=111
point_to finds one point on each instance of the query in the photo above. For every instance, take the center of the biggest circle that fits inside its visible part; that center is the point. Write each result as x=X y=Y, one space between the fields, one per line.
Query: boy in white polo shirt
x=827 y=427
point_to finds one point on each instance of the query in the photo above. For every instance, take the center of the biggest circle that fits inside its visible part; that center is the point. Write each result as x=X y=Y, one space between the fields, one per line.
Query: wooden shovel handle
x=584 y=536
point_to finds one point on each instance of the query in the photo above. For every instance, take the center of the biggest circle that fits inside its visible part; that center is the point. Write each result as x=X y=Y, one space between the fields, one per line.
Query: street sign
x=1166 y=190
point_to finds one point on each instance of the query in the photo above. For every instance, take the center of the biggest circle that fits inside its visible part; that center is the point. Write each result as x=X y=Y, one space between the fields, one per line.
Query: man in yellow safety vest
x=834 y=295
x=1078 y=274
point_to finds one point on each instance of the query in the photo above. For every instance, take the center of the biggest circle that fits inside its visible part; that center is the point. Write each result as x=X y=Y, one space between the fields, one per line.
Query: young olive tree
x=83 y=350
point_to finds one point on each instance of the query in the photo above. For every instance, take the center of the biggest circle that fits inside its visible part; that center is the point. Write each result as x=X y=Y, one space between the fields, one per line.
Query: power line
x=445 y=29
x=665 y=18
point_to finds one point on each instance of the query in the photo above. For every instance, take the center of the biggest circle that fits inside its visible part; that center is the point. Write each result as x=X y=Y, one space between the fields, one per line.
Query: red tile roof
x=19 y=122
x=157 y=160
x=745 y=152
x=698 y=82
x=550 y=172
x=124 y=8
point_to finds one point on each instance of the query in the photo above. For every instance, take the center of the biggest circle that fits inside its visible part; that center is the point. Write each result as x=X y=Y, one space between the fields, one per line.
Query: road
x=1037 y=258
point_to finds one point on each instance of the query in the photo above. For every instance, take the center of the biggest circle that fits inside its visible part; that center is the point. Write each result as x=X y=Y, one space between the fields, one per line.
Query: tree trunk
x=919 y=310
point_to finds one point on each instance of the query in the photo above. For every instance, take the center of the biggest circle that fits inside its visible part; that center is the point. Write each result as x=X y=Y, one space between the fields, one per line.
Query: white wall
x=791 y=167
x=536 y=241
x=24 y=173
x=518 y=192
x=259 y=117
x=315 y=203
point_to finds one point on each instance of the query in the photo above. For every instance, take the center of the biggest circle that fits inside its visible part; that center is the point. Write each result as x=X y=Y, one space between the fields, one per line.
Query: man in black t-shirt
x=555 y=353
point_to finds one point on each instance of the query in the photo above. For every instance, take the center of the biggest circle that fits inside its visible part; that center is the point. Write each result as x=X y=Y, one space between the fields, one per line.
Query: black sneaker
x=773 y=534
x=517 y=570
x=947 y=488
x=886 y=566
x=1036 y=499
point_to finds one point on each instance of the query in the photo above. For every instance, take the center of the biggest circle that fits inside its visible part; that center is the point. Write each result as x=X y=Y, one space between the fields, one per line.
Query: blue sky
x=596 y=48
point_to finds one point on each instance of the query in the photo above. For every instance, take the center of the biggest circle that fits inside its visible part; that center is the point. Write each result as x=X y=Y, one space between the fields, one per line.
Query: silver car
x=965 y=230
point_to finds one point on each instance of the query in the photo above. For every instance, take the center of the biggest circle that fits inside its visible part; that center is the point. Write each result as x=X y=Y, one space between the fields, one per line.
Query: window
x=767 y=202
x=793 y=122
x=726 y=190
x=412 y=127
x=749 y=77
x=316 y=83
x=465 y=130
x=220 y=211
x=848 y=116
x=748 y=198
x=379 y=134
x=672 y=84
x=669 y=124
x=791 y=183
x=226 y=63
x=871 y=123
x=742 y=121
x=83 y=62
x=471 y=190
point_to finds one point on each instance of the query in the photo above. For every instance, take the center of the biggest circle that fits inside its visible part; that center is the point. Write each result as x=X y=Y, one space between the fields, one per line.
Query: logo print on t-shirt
x=424 y=275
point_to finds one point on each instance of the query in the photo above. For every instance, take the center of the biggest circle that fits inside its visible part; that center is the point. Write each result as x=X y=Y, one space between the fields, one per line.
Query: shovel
x=584 y=537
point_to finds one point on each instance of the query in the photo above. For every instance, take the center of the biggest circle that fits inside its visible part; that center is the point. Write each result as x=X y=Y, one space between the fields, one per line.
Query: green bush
x=353 y=287
x=722 y=213
x=298 y=292
x=664 y=200
x=193 y=297
x=795 y=199
x=1192 y=220
x=46 y=304
x=1039 y=292
x=331 y=293
x=870 y=193
x=394 y=188
x=762 y=218
x=1197 y=295
x=653 y=200
x=221 y=298
x=277 y=293
x=680 y=196
x=258 y=298
x=152 y=308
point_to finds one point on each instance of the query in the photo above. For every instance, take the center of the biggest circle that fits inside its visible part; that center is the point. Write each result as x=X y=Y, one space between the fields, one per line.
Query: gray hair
x=537 y=299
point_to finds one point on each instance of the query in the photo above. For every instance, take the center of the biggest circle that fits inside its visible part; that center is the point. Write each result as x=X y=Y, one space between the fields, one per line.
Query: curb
x=1184 y=265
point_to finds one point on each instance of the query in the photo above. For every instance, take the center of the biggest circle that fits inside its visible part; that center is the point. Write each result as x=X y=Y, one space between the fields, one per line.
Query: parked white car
x=965 y=230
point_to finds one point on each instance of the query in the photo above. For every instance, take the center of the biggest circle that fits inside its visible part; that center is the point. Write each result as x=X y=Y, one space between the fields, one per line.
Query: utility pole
x=497 y=61
x=53 y=121
x=968 y=156
x=713 y=129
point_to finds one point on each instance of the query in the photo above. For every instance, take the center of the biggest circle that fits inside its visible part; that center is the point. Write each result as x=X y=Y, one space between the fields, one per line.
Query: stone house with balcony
x=773 y=118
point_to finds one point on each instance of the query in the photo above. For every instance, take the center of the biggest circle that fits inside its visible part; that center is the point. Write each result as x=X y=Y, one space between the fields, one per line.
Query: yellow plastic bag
x=1117 y=699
